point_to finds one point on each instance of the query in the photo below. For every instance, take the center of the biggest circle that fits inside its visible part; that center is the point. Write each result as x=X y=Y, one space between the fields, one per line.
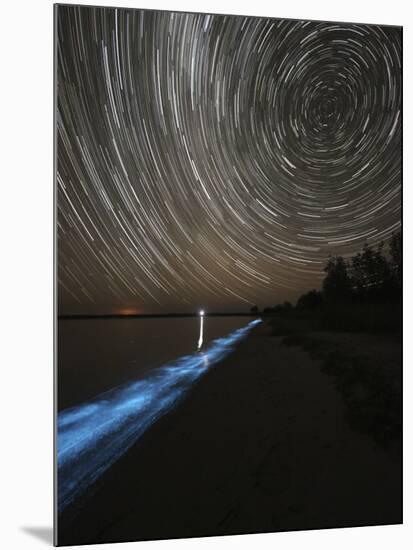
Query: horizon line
x=143 y=315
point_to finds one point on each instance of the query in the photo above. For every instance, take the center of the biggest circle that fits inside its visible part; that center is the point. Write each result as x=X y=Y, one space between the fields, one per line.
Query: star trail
x=217 y=161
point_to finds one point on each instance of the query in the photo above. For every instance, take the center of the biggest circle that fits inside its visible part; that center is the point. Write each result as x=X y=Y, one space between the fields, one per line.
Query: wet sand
x=261 y=444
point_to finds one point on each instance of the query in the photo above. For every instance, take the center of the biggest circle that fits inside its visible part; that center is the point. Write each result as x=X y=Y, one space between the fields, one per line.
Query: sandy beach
x=262 y=443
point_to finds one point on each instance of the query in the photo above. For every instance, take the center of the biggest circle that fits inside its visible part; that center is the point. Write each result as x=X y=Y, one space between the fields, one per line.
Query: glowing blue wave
x=92 y=436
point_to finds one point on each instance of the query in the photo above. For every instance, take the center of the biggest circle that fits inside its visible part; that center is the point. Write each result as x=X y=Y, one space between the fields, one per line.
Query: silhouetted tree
x=310 y=300
x=371 y=273
x=278 y=309
x=395 y=247
x=336 y=284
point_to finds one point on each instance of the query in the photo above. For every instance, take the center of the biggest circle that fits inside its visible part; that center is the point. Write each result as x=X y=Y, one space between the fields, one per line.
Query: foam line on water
x=92 y=436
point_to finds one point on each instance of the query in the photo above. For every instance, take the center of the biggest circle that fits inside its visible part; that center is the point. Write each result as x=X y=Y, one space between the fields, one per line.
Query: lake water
x=118 y=376
x=95 y=355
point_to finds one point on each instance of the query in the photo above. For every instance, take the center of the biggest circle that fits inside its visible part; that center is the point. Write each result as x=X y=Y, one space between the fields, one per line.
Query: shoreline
x=260 y=444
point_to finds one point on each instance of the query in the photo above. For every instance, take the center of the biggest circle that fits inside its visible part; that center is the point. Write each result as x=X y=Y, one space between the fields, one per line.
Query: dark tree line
x=373 y=275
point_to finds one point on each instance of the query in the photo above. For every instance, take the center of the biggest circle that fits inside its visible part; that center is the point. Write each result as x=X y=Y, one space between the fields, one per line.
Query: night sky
x=217 y=161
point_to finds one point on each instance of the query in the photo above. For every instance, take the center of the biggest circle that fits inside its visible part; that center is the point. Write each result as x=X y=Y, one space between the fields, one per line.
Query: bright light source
x=201 y=329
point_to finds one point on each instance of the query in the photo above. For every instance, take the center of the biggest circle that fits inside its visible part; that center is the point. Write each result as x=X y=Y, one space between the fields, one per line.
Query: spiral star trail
x=218 y=160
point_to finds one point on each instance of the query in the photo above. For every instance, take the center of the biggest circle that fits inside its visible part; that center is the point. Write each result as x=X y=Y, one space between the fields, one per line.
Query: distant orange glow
x=128 y=311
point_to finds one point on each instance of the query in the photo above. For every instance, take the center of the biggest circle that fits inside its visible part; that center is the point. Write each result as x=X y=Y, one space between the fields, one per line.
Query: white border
x=26 y=231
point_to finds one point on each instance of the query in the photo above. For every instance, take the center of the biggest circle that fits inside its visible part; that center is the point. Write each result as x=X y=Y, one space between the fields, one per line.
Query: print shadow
x=44 y=534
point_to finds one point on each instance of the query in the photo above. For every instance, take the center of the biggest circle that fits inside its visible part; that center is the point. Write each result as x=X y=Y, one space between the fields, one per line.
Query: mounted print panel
x=228 y=220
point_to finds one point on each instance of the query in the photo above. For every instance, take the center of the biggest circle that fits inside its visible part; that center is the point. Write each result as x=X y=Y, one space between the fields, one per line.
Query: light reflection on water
x=92 y=436
x=96 y=355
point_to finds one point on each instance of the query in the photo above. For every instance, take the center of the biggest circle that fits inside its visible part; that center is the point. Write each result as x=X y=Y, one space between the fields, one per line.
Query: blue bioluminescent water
x=92 y=436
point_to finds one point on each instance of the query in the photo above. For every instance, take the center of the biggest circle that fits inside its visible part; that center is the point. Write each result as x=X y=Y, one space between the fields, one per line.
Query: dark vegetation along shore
x=353 y=326
x=299 y=428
